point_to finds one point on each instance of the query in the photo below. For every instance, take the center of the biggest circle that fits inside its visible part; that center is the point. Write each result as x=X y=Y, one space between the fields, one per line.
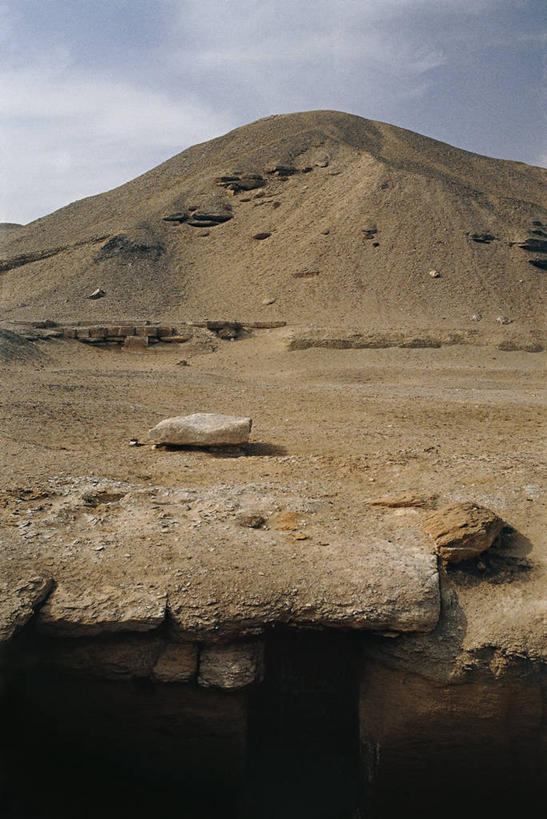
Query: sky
x=95 y=92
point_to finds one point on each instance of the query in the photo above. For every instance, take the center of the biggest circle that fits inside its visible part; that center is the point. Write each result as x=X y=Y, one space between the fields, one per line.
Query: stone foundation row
x=227 y=666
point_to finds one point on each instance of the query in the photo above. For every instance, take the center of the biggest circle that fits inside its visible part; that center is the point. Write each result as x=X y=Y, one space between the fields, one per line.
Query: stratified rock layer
x=83 y=609
x=19 y=597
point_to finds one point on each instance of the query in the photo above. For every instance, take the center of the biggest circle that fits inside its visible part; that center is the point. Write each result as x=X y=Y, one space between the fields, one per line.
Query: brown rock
x=251 y=518
x=462 y=530
x=178 y=339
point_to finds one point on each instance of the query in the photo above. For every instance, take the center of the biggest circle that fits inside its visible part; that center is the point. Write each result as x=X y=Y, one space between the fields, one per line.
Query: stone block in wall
x=132 y=655
x=177 y=663
x=145 y=330
x=136 y=343
x=121 y=330
x=180 y=338
x=231 y=666
x=97 y=332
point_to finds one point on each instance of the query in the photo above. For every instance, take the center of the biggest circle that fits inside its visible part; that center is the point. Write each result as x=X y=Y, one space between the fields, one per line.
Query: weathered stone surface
x=344 y=339
x=136 y=343
x=303 y=567
x=231 y=666
x=281 y=169
x=75 y=610
x=176 y=663
x=18 y=599
x=202 y=429
x=462 y=530
x=470 y=729
x=406 y=500
x=118 y=657
x=180 y=338
x=225 y=329
x=420 y=342
x=179 y=216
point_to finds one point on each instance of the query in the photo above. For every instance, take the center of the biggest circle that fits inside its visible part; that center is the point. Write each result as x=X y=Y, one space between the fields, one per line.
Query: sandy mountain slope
x=358 y=213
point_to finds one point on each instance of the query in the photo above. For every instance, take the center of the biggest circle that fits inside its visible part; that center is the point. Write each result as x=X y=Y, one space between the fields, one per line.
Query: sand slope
x=352 y=240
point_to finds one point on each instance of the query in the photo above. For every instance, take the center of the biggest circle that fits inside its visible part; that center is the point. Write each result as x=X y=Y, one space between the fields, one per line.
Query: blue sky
x=94 y=92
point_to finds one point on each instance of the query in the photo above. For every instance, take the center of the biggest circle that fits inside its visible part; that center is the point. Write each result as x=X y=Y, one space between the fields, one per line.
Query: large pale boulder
x=202 y=429
x=462 y=530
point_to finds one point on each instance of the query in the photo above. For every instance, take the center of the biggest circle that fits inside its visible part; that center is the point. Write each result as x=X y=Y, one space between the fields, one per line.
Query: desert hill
x=353 y=215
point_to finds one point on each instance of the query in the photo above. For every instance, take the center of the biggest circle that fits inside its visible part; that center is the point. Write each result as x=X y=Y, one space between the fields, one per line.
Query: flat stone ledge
x=18 y=601
x=75 y=611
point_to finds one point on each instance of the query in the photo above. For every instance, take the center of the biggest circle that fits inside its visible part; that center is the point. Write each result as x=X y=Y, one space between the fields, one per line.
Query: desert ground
x=272 y=630
x=333 y=430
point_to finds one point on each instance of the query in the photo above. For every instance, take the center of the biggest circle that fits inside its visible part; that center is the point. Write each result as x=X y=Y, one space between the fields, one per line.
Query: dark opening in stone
x=303 y=728
x=80 y=747
x=332 y=732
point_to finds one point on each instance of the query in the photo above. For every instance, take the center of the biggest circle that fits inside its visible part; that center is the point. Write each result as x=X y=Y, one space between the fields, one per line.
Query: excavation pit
x=330 y=733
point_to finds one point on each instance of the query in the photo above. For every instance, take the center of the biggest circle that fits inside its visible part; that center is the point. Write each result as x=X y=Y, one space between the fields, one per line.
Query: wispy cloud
x=95 y=93
x=60 y=129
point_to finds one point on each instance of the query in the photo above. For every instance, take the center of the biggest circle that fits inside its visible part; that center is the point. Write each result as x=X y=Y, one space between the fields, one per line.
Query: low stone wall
x=138 y=335
x=99 y=334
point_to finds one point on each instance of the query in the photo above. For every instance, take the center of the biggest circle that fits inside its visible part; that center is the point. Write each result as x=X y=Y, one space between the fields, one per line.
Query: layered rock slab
x=95 y=607
x=19 y=597
x=181 y=559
